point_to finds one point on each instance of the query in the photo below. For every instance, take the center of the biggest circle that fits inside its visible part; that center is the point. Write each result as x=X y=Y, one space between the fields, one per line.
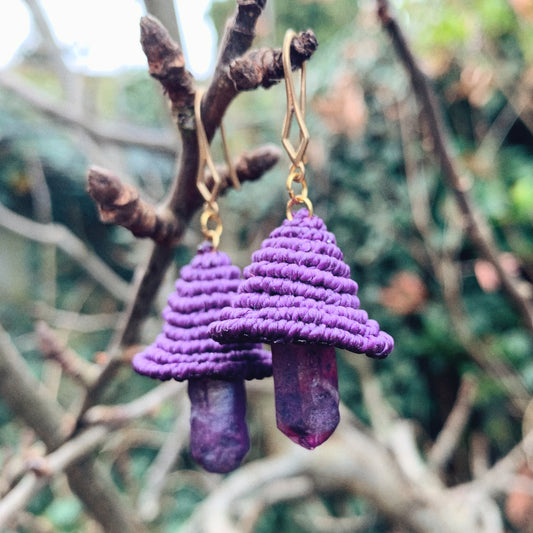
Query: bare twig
x=237 y=39
x=497 y=133
x=74 y=247
x=74 y=321
x=118 y=414
x=264 y=67
x=157 y=475
x=165 y=11
x=282 y=490
x=316 y=517
x=166 y=63
x=28 y=398
x=95 y=488
x=381 y=413
x=119 y=203
x=50 y=45
x=29 y=401
x=476 y=226
x=448 y=439
x=72 y=363
x=39 y=189
x=121 y=134
x=498 y=479
x=43 y=468
x=448 y=274
x=479 y=454
x=351 y=459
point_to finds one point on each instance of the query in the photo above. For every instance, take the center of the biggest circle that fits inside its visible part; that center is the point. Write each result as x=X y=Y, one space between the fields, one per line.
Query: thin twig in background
x=67 y=242
x=498 y=479
x=43 y=468
x=475 y=224
x=120 y=203
x=141 y=406
x=315 y=516
x=447 y=273
x=71 y=363
x=496 y=134
x=74 y=321
x=166 y=13
x=380 y=412
x=479 y=454
x=278 y=491
x=28 y=400
x=448 y=439
x=157 y=474
x=106 y=132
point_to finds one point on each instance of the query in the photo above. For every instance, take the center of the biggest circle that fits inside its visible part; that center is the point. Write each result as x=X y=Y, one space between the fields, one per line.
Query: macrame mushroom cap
x=297 y=296
x=184 y=350
x=298 y=290
x=215 y=372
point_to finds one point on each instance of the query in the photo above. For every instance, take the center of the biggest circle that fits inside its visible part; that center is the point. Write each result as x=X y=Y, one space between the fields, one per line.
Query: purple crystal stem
x=306 y=392
x=219 y=435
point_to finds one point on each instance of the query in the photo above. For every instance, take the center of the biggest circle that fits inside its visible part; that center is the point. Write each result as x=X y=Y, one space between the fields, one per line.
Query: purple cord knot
x=298 y=290
x=184 y=349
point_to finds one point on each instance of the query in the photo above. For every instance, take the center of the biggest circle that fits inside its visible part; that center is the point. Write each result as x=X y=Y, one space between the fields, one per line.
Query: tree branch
x=499 y=477
x=448 y=275
x=448 y=439
x=71 y=363
x=28 y=399
x=237 y=39
x=74 y=247
x=119 y=203
x=264 y=67
x=44 y=468
x=74 y=321
x=278 y=491
x=476 y=226
x=121 y=413
x=164 y=10
x=316 y=517
x=121 y=134
x=156 y=476
x=351 y=459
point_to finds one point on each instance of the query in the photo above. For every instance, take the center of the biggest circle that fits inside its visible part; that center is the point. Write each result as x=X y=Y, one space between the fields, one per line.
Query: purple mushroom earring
x=184 y=351
x=298 y=297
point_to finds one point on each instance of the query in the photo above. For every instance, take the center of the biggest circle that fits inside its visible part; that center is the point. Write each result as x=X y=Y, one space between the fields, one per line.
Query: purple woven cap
x=184 y=349
x=298 y=290
x=216 y=373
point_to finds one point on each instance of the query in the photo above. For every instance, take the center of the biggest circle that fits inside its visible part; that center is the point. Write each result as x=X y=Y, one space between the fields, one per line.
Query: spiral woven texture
x=184 y=350
x=298 y=290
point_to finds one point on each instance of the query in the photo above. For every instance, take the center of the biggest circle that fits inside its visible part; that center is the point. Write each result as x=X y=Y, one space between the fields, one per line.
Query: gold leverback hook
x=210 y=212
x=296 y=109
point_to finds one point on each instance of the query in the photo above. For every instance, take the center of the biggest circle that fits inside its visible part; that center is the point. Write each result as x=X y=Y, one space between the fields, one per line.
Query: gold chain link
x=296 y=109
x=210 y=191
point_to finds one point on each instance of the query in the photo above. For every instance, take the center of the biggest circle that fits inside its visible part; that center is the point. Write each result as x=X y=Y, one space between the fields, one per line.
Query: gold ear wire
x=296 y=109
x=210 y=195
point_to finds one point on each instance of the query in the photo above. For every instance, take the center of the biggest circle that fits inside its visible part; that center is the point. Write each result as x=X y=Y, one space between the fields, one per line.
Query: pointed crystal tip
x=306 y=392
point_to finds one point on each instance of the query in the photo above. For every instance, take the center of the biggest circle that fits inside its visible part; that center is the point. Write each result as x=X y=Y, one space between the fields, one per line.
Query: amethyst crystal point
x=219 y=436
x=298 y=296
x=305 y=387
